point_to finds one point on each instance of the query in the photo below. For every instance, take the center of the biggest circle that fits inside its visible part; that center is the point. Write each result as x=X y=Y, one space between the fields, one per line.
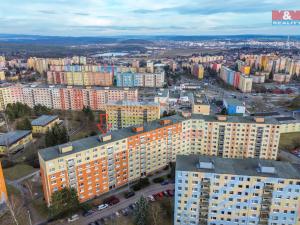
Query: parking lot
x=125 y=207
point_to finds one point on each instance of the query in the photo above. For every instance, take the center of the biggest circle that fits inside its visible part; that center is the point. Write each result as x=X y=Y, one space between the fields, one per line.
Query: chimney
x=221 y=117
x=137 y=129
x=259 y=119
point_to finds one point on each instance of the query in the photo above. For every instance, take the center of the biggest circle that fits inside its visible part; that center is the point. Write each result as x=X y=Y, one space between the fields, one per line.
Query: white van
x=103 y=206
x=73 y=218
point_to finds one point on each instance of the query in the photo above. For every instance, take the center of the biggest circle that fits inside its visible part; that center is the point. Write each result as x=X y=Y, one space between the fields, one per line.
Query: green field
x=289 y=141
x=18 y=171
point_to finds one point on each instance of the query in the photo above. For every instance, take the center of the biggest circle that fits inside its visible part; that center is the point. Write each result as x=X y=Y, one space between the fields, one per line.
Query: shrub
x=158 y=180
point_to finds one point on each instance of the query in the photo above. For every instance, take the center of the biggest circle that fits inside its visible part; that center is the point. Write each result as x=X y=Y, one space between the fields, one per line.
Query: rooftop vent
x=266 y=168
x=164 y=122
x=221 y=117
x=205 y=164
x=105 y=138
x=137 y=128
x=259 y=119
x=65 y=148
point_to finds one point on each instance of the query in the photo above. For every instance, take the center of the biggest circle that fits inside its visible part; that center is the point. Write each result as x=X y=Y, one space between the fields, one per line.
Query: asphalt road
x=124 y=203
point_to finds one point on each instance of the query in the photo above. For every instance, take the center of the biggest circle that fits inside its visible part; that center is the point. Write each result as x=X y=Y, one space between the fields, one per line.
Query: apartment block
x=64 y=97
x=86 y=75
x=125 y=114
x=97 y=164
x=129 y=79
x=42 y=64
x=206 y=59
x=214 y=190
x=236 y=79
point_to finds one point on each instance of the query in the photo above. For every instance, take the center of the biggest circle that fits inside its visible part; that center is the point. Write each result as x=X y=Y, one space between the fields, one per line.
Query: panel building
x=123 y=114
x=87 y=75
x=129 y=79
x=213 y=190
x=64 y=97
x=97 y=164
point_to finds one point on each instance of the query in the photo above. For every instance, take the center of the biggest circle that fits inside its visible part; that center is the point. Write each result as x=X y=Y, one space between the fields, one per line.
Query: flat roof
x=12 y=137
x=132 y=103
x=245 y=167
x=200 y=98
x=265 y=114
x=287 y=118
x=93 y=141
x=43 y=120
x=234 y=119
x=233 y=101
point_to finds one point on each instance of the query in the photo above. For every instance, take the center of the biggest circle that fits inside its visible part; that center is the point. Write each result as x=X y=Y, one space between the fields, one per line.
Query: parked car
x=170 y=192
x=151 y=198
x=112 y=200
x=99 y=222
x=165 y=182
x=73 y=218
x=124 y=212
x=129 y=194
x=102 y=206
x=92 y=223
x=87 y=213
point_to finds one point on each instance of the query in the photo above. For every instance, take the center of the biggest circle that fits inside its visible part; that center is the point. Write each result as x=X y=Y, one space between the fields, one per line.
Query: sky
x=143 y=17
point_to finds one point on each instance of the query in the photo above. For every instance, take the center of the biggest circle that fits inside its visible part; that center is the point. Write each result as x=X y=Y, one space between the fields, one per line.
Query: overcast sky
x=146 y=17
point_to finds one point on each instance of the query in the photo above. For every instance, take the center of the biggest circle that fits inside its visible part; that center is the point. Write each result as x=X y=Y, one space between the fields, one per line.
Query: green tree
x=271 y=75
x=24 y=124
x=88 y=113
x=57 y=135
x=141 y=212
x=63 y=202
x=41 y=110
x=17 y=110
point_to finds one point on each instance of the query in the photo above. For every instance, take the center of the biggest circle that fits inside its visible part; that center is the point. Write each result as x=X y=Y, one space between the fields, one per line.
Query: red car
x=112 y=200
x=170 y=192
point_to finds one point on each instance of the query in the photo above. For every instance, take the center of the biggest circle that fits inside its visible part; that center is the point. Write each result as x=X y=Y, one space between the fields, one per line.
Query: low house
x=14 y=141
x=43 y=123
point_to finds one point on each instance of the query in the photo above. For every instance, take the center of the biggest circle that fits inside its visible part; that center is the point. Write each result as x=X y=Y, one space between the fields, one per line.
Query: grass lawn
x=11 y=190
x=18 y=171
x=289 y=141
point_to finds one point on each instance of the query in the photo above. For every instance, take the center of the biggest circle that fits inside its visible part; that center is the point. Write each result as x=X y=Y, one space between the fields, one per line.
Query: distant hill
x=136 y=41
x=129 y=39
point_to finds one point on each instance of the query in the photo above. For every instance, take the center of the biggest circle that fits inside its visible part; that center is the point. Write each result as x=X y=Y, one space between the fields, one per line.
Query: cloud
x=50 y=12
x=81 y=14
x=113 y=17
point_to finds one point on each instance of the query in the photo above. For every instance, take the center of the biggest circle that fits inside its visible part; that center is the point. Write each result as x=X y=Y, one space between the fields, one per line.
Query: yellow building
x=2 y=75
x=3 y=191
x=14 y=141
x=200 y=104
x=44 y=123
x=125 y=114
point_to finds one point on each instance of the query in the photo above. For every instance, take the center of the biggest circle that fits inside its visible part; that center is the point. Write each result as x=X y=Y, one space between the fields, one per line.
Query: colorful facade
x=129 y=79
x=64 y=97
x=86 y=75
x=95 y=165
x=236 y=79
x=3 y=191
x=213 y=190
x=123 y=114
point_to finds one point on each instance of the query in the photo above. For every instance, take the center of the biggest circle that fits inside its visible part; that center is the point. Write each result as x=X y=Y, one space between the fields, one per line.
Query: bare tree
x=15 y=207
x=155 y=214
x=29 y=186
